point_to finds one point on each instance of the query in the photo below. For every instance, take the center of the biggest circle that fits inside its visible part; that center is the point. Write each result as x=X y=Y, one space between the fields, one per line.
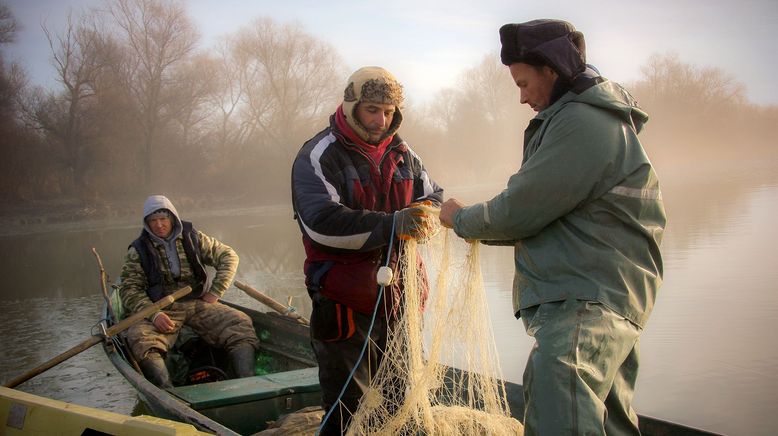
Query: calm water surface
x=708 y=354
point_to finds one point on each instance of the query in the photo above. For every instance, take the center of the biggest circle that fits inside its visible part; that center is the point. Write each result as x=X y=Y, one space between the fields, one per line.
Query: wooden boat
x=26 y=414
x=288 y=382
x=207 y=399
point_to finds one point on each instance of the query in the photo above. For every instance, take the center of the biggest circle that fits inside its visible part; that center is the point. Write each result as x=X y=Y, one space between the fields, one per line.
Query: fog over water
x=707 y=360
x=77 y=163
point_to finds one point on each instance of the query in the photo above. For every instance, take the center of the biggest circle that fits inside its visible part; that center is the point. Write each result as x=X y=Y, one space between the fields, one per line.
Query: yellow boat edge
x=22 y=413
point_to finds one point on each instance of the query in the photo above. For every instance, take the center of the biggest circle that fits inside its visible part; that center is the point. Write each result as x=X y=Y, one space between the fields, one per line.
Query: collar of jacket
x=557 y=105
x=584 y=82
x=350 y=140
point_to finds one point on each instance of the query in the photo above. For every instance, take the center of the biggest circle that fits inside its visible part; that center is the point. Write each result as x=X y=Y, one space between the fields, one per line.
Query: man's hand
x=447 y=211
x=210 y=298
x=417 y=221
x=163 y=323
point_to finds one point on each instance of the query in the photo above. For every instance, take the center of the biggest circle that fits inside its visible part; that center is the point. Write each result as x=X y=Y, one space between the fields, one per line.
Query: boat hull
x=246 y=406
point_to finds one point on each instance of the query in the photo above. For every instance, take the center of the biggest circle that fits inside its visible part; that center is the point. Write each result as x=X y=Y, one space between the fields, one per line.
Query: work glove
x=418 y=221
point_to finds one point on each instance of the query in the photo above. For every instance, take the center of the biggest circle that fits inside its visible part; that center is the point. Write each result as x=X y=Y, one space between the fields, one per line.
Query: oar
x=271 y=303
x=93 y=340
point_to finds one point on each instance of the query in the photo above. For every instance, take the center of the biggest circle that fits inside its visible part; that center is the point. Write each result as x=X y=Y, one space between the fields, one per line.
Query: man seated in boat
x=170 y=254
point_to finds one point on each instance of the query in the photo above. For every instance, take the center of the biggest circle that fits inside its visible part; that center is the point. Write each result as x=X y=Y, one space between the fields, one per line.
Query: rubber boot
x=153 y=367
x=242 y=360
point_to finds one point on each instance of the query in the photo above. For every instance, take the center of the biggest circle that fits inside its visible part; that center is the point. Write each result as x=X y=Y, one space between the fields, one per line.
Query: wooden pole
x=109 y=305
x=103 y=286
x=271 y=303
x=96 y=339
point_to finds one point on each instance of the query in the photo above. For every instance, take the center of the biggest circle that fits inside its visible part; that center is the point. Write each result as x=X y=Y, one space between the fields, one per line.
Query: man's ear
x=550 y=72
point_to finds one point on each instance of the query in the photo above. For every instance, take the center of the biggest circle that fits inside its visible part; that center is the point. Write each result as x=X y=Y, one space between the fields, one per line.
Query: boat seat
x=249 y=389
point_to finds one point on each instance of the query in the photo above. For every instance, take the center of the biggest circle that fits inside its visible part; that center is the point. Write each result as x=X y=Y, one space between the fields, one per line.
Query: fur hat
x=555 y=43
x=372 y=85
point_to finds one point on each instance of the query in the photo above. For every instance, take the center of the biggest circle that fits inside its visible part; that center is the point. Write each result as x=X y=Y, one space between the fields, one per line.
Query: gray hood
x=155 y=203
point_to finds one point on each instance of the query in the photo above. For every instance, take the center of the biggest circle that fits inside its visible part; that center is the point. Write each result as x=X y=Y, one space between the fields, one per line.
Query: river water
x=708 y=353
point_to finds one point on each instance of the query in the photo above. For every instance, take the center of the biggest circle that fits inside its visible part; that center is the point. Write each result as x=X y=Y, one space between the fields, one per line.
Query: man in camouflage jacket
x=170 y=254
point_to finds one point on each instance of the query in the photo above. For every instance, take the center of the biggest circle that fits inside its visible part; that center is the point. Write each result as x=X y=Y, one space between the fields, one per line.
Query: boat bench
x=254 y=401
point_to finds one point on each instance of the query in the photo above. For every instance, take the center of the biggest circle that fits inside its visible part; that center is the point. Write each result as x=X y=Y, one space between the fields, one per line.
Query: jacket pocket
x=331 y=321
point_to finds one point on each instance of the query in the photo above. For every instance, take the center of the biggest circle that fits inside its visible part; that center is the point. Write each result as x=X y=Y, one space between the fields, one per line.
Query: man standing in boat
x=170 y=254
x=585 y=216
x=356 y=188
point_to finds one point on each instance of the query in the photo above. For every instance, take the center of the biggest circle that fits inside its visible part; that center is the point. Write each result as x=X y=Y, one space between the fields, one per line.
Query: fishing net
x=416 y=391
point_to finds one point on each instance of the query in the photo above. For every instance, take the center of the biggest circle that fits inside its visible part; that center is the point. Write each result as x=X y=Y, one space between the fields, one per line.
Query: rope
x=369 y=332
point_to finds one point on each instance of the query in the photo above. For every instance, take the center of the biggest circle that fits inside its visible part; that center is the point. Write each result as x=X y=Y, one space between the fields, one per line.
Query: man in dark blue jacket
x=356 y=187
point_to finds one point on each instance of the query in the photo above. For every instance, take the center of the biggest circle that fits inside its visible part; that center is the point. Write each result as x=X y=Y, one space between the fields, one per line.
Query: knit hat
x=555 y=43
x=372 y=85
x=159 y=213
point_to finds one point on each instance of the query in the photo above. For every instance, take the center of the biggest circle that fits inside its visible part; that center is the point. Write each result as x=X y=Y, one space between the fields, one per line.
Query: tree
x=11 y=79
x=156 y=37
x=228 y=96
x=8 y=24
x=482 y=111
x=189 y=100
x=79 y=56
x=687 y=104
x=289 y=82
x=682 y=88
x=273 y=87
x=17 y=143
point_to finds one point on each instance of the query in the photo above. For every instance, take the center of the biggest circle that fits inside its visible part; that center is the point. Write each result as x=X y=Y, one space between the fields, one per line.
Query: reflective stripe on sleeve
x=350 y=242
x=646 y=194
x=316 y=154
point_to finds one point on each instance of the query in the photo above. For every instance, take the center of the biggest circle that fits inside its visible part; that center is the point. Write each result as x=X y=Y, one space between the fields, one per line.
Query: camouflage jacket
x=212 y=252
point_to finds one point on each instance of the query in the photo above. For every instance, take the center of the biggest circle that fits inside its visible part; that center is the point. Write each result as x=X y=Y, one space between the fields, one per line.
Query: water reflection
x=707 y=356
x=37 y=329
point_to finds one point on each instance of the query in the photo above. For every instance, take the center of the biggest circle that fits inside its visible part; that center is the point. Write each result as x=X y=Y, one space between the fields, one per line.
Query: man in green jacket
x=170 y=254
x=585 y=216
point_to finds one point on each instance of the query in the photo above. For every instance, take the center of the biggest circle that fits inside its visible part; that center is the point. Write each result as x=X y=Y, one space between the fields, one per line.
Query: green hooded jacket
x=584 y=212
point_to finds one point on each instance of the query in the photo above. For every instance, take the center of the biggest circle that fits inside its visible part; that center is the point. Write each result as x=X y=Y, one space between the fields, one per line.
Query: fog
x=140 y=109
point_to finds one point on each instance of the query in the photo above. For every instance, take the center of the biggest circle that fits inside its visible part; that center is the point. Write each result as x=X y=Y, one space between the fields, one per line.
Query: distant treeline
x=140 y=109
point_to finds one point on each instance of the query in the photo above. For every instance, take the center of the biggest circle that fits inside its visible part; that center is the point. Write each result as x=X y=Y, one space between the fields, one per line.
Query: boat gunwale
x=154 y=396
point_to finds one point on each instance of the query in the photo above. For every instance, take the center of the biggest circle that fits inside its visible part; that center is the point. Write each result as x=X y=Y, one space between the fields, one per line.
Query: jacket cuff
x=468 y=221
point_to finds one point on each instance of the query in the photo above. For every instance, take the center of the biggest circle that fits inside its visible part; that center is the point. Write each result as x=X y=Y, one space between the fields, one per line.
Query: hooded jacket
x=344 y=202
x=173 y=272
x=584 y=212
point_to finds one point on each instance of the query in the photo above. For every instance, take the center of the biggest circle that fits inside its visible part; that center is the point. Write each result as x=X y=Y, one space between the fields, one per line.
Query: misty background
x=140 y=107
x=144 y=104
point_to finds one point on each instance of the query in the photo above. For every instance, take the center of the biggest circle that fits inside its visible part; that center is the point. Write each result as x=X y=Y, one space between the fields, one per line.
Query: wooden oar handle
x=154 y=308
x=271 y=303
x=93 y=340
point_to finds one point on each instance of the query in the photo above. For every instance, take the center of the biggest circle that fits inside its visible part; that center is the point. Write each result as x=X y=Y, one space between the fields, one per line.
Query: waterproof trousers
x=580 y=375
x=337 y=336
x=218 y=324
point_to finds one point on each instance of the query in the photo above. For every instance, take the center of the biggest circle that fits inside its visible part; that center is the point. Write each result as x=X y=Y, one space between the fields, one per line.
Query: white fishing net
x=414 y=391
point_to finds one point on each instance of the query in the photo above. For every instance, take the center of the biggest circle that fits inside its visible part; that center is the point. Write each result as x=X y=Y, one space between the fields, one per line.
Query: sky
x=429 y=44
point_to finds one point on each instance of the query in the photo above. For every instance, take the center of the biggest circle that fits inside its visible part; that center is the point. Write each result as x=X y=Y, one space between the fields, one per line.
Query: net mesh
x=415 y=390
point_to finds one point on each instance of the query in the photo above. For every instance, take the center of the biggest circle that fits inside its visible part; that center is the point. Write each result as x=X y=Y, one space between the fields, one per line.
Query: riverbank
x=69 y=215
